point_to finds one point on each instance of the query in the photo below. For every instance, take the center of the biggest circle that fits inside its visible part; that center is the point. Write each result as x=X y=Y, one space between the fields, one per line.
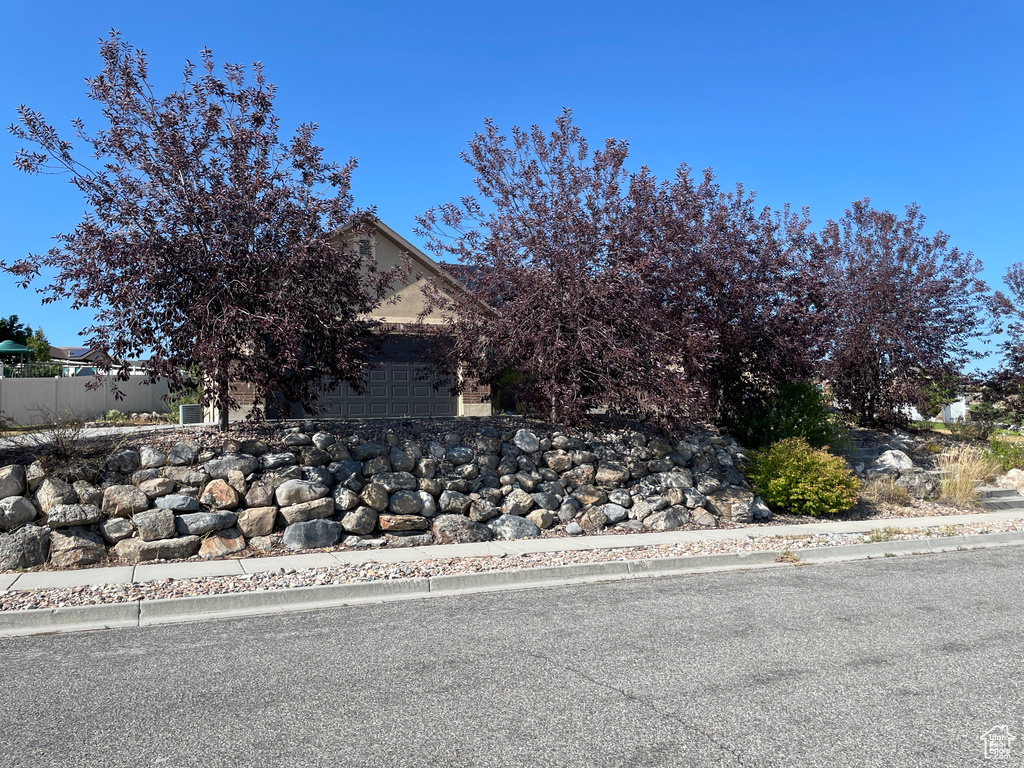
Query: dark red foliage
x=209 y=244
x=905 y=307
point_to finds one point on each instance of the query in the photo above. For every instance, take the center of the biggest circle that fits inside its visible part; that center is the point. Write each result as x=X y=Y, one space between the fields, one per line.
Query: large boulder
x=155 y=487
x=526 y=441
x=67 y=515
x=405 y=503
x=124 y=501
x=278 y=460
x=314 y=534
x=177 y=502
x=611 y=474
x=137 y=551
x=15 y=511
x=454 y=501
x=12 y=481
x=396 y=481
x=154 y=524
x=124 y=462
x=72 y=547
x=117 y=528
x=512 y=527
x=735 y=504
x=360 y=521
x=227 y=542
x=518 y=502
x=53 y=492
x=299 y=492
x=26 y=547
x=457 y=529
x=257 y=521
x=894 y=459
x=218 y=494
x=667 y=520
x=237 y=462
x=201 y=523
x=150 y=457
x=183 y=454
x=308 y=510
x=403 y=523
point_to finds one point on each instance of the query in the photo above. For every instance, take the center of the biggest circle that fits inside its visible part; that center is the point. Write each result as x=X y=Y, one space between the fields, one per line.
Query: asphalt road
x=896 y=662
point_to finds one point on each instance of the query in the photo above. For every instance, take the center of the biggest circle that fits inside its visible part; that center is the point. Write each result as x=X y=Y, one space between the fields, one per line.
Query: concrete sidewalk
x=236 y=567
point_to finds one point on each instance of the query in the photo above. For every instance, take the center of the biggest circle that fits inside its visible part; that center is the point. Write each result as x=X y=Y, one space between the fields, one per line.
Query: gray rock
x=151 y=457
x=666 y=520
x=409 y=539
x=588 y=495
x=481 y=511
x=124 y=501
x=405 y=503
x=201 y=523
x=314 y=534
x=142 y=475
x=361 y=520
x=708 y=485
x=237 y=462
x=426 y=468
x=299 y=492
x=338 y=452
x=376 y=496
x=895 y=460
x=593 y=519
x=187 y=476
x=760 y=511
x=519 y=502
x=457 y=529
x=527 y=442
x=296 y=439
x=154 y=524
x=704 y=518
x=116 y=529
x=345 y=499
x=512 y=527
x=34 y=476
x=318 y=475
x=67 y=515
x=376 y=466
x=271 y=461
x=124 y=462
x=545 y=500
x=260 y=494
x=429 y=506
x=454 y=502
x=694 y=498
x=620 y=497
x=307 y=510
x=314 y=457
x=396 y=481
x=73 y=547
x=400 y=460
x=136 y=550
x=26 y=547
x=12 y=481
x=177 y=502
x=611 y=473
x=615 y=513
x=733 y=504
x=183 y=454
x=574 y=529
x=157 y=487
x=368 y=451
x=53 y=492
x=460 y=455
x=88 y=493
x=323 y=440
x=566 y=512
x=15 y=511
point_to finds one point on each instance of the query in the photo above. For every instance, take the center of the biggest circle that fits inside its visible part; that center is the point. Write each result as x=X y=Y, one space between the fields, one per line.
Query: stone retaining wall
x=451 y=483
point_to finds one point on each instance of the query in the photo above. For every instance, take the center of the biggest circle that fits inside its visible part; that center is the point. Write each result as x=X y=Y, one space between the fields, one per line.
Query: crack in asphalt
x=724 y=747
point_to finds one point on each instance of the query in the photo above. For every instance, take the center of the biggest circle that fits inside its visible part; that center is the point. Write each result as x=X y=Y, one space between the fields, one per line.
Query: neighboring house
x=82 y=361
x=396 y=387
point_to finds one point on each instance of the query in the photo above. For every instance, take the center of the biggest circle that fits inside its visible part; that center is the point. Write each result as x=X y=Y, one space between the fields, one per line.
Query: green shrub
x=792 y=476
x=971 y=430
x=1008 y=453
x=797 y=410
x=114 y=415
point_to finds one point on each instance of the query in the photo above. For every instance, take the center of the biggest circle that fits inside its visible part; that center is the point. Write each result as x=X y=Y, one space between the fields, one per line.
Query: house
x=83 y=361
x=396 y=386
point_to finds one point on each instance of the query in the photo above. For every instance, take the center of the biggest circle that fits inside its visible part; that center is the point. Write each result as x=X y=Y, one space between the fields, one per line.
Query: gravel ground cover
x=14 y=600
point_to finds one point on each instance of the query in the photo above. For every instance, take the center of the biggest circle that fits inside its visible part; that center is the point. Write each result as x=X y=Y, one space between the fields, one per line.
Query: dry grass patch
x=884 y=490
x=965 y=468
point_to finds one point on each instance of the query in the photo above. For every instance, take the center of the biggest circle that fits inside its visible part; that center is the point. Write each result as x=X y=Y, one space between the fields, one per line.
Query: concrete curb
x=176 y=610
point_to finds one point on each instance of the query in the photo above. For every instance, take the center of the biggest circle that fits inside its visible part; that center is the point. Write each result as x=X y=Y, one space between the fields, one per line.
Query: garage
x=399 y=386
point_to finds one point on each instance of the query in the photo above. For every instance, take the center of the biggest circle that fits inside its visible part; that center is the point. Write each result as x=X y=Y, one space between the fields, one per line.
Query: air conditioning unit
x=190 y=414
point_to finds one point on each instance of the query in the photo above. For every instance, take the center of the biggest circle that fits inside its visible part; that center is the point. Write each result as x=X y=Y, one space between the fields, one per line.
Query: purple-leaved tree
x=557 y=252
x=905 y=306
x=209 y=243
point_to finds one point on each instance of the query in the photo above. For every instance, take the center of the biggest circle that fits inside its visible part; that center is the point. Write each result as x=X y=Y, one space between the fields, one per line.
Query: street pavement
x=903 y=661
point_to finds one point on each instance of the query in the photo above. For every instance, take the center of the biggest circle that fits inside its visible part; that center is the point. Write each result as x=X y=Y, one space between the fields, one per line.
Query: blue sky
x=812 y=103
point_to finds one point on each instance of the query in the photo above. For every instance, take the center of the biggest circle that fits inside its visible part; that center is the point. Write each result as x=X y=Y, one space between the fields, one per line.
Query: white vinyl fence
x=37 y=401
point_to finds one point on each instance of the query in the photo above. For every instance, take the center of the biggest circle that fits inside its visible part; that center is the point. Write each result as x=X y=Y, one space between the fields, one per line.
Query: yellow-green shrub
x=792 y=476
